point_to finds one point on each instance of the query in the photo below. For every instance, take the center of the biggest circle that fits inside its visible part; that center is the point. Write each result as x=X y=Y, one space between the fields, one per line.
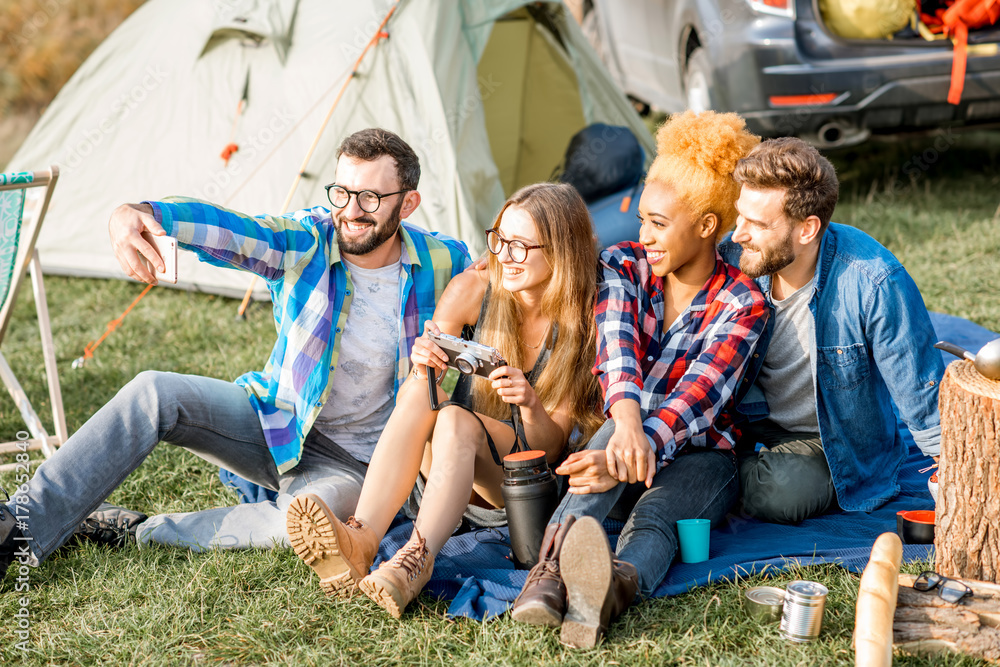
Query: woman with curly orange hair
x=675 y=327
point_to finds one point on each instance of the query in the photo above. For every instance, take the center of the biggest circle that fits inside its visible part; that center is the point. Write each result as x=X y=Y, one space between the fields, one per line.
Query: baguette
x=877 y=603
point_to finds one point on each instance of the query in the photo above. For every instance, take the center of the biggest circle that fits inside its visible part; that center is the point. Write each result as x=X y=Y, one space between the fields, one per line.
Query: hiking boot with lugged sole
x=598 y=587
x=341 y=553
x=399 y=580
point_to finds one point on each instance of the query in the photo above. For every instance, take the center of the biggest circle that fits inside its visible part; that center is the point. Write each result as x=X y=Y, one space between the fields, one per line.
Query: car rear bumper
x=910 y=103
x=877 y=85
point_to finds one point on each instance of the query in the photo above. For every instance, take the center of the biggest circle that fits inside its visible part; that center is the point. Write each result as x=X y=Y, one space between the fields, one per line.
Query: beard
x=770 y=260
x=377 y=234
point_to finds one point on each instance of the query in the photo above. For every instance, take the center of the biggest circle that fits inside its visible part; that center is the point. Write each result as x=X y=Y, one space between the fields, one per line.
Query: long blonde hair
x=565 y=231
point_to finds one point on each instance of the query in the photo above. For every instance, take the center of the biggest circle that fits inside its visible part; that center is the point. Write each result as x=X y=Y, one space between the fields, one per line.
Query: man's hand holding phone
x=141 y=245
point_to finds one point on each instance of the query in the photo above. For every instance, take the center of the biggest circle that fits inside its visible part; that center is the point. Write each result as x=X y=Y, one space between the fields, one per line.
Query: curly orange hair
x=696 y=154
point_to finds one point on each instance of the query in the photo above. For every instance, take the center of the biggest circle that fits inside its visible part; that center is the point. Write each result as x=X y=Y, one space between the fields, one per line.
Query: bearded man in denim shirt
x=848 y=340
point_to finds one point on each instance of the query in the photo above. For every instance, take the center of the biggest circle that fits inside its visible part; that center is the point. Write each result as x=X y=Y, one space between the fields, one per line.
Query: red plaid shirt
x=684 y=379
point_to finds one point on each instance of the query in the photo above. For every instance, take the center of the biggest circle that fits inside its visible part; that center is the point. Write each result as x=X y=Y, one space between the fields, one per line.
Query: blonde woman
x=533 y=302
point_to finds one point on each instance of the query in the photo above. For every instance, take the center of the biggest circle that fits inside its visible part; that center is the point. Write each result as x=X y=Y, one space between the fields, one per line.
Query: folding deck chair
x=17 y=256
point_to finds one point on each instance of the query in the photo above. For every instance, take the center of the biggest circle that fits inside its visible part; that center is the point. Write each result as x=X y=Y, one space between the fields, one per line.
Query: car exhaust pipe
x=831 y=134
x=838 y=134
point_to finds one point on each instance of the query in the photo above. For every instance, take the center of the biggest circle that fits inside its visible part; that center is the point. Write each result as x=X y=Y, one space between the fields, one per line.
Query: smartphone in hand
x=167 y=247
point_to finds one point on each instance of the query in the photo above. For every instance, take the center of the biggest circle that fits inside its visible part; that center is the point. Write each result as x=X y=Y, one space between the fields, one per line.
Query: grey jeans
x=211 y=418
x=701 y=484
x=788 y=480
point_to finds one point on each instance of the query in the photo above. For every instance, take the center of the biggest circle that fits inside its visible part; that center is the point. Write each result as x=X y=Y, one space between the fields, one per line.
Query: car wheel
x=699 y=88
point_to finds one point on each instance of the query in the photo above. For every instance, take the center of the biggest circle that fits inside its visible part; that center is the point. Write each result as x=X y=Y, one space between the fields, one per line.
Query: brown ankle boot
x=341 y=553
x=598 y=587
x=398 y=581
x=542 y=601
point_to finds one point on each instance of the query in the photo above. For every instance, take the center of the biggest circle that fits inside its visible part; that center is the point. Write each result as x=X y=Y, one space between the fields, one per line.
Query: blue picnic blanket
x=474 y=569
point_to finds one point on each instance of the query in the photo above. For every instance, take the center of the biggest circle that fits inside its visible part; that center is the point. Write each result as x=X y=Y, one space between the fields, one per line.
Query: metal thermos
x=530 y=496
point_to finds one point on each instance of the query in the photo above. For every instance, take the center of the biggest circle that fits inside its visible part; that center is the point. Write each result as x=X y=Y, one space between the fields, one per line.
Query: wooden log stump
x=925 y=624
x=967 y=531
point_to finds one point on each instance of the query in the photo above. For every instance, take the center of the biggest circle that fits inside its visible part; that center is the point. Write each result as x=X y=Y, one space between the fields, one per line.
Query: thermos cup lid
x=529 y=459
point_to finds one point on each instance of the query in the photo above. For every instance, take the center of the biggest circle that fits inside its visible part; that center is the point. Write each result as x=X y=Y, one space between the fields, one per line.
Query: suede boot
x=341 y=553
x=399 y=580
x=598 y=587
x=542 y=601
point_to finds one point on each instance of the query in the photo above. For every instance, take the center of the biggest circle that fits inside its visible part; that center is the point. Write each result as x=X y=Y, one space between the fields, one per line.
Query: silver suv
x=776 y=63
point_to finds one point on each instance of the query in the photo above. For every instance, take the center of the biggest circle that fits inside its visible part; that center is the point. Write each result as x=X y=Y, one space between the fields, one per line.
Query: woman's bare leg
x=395 y=463
x=461 y=461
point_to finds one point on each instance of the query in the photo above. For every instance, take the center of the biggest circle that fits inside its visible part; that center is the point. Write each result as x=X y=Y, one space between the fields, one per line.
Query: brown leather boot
x=341 y=553
x=542 y=601
x=598 y=587
x=399 y=580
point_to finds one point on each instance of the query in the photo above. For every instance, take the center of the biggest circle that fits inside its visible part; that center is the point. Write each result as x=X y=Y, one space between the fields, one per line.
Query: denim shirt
x=874 y=350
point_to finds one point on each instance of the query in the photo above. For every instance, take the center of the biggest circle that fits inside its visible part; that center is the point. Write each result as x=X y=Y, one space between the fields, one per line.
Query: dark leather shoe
x=542 y=601
x=10 y=540
x=110 y=525
x=598 y=587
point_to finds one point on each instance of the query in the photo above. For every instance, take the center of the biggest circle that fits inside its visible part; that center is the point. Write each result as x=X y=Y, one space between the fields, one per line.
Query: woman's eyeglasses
x=948 y=590
x=516 y=250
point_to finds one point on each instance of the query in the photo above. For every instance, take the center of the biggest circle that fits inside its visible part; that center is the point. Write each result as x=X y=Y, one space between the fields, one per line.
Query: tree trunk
x=967 y=534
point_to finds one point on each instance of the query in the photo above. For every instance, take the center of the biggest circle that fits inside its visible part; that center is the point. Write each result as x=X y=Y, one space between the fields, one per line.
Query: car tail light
x=776 y=7
x=802 y=100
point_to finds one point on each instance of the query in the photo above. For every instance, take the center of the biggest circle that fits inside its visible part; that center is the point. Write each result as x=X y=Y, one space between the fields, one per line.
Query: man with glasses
x=351 y=288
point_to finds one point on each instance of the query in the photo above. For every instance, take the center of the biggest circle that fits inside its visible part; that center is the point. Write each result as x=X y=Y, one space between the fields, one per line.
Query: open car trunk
x=906 y=36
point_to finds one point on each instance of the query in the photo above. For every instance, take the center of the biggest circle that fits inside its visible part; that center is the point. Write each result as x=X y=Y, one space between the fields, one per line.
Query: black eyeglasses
x=368 y=201
x=516 y=250
x=948 y=590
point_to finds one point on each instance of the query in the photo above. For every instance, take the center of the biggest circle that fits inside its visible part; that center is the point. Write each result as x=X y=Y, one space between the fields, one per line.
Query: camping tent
x=488 y=92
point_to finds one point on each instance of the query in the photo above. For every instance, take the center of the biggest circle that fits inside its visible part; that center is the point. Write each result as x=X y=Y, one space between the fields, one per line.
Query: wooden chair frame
x=27 y=262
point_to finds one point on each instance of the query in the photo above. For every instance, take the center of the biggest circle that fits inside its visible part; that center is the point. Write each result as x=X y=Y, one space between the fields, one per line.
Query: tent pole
x=376 y=38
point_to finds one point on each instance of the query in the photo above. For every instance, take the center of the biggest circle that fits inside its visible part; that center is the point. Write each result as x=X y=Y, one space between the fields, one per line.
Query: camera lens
x=466 y=363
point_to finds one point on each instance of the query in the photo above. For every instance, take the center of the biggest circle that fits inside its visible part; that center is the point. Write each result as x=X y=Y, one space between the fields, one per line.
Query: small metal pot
x=986 y=361
x=917 y=527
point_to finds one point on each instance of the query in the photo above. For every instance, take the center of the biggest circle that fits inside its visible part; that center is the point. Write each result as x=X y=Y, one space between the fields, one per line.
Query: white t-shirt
x=361 y=394
x=786 y=376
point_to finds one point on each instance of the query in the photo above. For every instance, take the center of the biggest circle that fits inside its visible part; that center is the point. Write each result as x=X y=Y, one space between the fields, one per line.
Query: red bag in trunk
x=957 y=19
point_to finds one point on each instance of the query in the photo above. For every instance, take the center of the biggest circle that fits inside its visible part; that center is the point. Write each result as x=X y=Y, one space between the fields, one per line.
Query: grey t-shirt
x=787 y=376
x=361 y=394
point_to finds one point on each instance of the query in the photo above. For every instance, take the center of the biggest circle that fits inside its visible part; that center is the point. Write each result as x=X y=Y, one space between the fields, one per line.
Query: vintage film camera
x=469 y=357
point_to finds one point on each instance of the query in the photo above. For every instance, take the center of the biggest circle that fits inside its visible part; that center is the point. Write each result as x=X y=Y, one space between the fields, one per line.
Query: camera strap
x=520 y=440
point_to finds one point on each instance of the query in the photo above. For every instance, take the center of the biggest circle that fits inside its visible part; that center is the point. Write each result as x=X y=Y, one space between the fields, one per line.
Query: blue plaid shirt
x=297 y=255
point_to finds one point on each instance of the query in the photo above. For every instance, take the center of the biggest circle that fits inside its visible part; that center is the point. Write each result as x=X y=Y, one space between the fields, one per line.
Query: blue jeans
x=210 y=418
x=702 y=484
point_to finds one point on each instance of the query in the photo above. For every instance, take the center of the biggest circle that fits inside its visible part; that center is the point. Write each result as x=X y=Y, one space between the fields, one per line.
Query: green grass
x=163 y=606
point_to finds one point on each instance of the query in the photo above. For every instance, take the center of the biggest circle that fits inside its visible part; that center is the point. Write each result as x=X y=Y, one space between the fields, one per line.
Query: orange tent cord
x=88 y=352
x=232 y=146
x=379 y=35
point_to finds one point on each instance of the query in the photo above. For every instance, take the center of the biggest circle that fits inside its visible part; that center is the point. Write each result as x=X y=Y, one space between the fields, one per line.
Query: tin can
x=802 y=612
x=764 y=603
